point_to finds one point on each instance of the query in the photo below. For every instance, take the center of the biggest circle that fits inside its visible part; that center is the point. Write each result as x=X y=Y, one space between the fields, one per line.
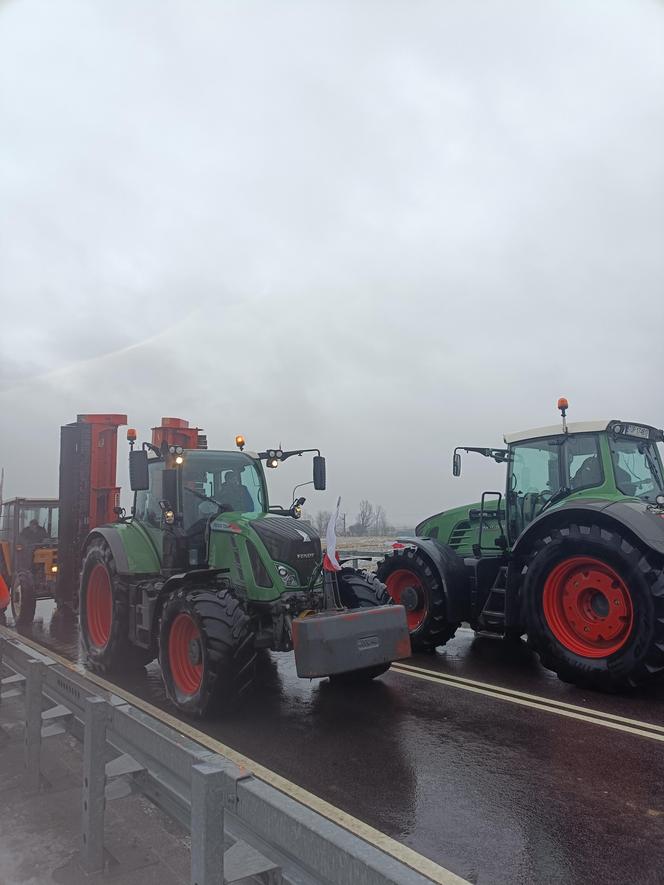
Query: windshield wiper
x=654 y=468
x=562 y=492
x=222 y=507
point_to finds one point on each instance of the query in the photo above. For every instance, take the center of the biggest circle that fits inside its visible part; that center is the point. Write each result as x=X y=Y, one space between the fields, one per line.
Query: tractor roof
x=32 y=502
x=557 y=430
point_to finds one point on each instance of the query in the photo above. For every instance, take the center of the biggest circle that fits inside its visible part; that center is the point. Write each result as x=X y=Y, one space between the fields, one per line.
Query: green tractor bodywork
x=571 y=553
x=205 y=572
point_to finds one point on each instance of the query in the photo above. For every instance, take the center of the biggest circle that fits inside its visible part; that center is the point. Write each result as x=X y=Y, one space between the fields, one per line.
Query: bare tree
x=379 y=526
x=365 y=517
x=321 y=521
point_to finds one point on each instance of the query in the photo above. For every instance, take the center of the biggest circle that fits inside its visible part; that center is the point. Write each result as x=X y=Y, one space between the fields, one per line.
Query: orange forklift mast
x=88 y=491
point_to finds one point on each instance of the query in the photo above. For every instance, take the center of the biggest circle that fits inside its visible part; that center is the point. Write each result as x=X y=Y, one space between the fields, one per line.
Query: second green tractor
x=571 y=553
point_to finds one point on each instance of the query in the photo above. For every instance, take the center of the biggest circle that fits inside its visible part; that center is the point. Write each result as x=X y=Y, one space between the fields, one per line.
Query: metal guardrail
x=359 y=558
x=241 y=827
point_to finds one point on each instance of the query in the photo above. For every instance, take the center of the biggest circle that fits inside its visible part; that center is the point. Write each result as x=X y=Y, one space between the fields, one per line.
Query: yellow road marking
x=595 y=717
x=403 y=853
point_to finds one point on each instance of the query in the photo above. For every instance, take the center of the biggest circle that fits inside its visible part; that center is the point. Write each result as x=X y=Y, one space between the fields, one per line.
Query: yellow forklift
x=28 y=553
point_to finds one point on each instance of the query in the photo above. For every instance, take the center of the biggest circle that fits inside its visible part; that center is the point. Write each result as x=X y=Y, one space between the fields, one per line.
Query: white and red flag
x=330 y=561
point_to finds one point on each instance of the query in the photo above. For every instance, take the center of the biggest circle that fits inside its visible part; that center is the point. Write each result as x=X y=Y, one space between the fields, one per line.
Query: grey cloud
x=381 y=228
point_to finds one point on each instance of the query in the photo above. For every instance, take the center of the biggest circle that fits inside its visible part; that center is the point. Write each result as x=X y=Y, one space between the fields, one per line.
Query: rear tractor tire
x=361 y=589
x=104 y=614
x=412 y=582
x=593 y=605
x=206 y=651
x=23 y=598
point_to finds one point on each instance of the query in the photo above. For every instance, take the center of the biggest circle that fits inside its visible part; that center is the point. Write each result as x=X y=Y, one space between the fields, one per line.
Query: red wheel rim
x=399 y=581
x=588 y=607
x=99 y=606
x=185 y=654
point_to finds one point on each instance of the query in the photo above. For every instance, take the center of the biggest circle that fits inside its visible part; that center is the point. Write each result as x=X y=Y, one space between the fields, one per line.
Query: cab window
x=637 y=468
x=41 y=514
x=148 y=510
x=230 y=478
x=55 y=521
x=534 y=477
x=583 y=464
x=7 y=521
x=543 y=467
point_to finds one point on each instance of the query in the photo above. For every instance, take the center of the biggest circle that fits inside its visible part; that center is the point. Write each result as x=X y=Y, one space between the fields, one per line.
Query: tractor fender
x=112 y=538
x=451 y=572
x=645 y=524
x=132 y=551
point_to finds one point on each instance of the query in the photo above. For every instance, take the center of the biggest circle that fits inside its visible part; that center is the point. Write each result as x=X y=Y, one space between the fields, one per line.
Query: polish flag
x=330 y=561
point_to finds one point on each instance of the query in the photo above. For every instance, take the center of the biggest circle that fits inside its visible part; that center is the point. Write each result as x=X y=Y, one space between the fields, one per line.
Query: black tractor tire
x=206 y=651
x=104 y=614
x=427 y=621
x=359 y=588
x=23 y=598
x=593 y=607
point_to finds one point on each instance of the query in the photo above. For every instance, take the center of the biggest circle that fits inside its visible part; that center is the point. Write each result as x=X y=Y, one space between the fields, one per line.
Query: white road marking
x=537 y=702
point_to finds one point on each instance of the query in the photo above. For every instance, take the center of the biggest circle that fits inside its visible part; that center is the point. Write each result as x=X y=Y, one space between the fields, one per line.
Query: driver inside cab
x=588 y=474
x=33 y=533
x=232 y=494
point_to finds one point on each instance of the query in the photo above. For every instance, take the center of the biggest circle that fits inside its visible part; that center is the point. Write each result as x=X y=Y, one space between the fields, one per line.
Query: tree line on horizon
x=370 y=520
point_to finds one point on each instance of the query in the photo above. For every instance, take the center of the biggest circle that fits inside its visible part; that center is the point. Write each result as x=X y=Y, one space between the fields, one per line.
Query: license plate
x=635 y=430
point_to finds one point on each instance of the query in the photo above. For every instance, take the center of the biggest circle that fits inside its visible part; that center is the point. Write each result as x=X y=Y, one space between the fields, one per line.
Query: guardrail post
x=94 y=783
x=33 y=725
x=207 y=824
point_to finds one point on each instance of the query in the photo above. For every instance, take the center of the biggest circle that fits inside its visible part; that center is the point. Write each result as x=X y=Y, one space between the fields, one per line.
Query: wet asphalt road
x=495 y=792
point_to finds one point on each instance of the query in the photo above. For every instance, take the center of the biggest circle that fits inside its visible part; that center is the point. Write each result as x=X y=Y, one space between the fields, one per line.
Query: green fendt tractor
x=205 y=572
x=571 y=554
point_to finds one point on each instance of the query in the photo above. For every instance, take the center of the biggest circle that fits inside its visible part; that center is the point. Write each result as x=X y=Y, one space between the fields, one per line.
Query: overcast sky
x=381 y=228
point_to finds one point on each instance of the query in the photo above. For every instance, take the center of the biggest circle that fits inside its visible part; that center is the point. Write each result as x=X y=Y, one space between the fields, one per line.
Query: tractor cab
x=28 y=552
x=206 y=508
x=595 y=459
x=604 y=461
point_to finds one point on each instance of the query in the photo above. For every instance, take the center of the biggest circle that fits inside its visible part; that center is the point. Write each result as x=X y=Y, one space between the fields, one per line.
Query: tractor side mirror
x=139 y=476
x=319 y=473
x=456 y=464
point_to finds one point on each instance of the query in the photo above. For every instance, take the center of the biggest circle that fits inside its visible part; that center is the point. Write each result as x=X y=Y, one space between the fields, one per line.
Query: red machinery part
x=88 y=490
x=177 y=432
x=104 y=493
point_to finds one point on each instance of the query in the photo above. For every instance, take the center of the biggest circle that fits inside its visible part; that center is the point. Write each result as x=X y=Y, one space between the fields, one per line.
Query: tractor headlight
x=289 y=579
x=54 y=569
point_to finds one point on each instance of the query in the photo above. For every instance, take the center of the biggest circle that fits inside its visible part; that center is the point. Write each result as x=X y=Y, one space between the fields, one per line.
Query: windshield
x=231 y=478
x=543 y=468
x=637 y=467
x=36 y=523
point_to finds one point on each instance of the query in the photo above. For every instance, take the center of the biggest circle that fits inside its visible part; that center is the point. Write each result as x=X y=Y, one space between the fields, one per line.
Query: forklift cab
x=28 y=548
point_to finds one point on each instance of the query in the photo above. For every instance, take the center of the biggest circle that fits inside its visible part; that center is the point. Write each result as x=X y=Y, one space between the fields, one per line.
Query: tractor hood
x=460 y=527
x=291 y=541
